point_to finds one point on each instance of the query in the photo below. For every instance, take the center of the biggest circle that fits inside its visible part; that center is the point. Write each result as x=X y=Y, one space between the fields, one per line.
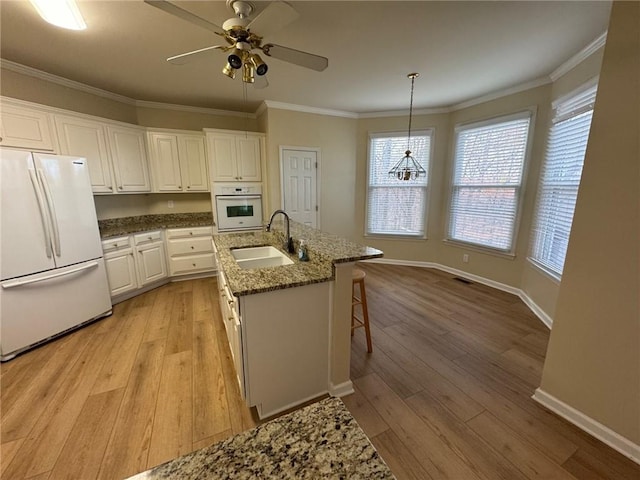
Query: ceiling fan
x=244 y=36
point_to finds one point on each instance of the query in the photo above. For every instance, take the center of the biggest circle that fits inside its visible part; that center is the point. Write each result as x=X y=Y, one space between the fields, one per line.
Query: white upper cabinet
x=178 y=162
x=193 y=163
x=88 y=139
x=235 y=157
x=26 y=127
x=129 y=157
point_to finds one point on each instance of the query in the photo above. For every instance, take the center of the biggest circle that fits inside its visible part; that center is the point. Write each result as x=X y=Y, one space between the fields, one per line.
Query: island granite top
x=320 y=441
x=324 y=250
x=114 y=227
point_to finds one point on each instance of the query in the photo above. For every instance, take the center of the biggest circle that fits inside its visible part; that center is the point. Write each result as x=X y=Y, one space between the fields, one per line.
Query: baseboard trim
x=342 y=389
x=537 y=311
x=603 y=433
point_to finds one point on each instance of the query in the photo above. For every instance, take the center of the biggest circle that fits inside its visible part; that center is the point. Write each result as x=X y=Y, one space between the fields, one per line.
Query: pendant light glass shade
x=407 y=168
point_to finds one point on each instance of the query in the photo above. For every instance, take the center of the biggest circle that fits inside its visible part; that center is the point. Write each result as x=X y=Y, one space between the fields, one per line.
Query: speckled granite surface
x=321 y=441
x=126 y=225
x=324 y=249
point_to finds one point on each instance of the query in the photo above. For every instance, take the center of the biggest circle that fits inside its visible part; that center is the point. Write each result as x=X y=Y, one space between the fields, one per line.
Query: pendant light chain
x=413 y=79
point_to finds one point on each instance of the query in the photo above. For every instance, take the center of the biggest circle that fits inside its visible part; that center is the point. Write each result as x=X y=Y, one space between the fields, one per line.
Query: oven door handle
x=238 y=197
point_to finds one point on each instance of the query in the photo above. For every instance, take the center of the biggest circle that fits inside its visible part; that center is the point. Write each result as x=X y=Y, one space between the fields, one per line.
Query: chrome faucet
x=288 y=239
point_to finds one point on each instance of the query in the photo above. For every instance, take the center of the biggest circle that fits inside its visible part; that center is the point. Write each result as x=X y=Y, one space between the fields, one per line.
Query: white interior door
x=300 y=185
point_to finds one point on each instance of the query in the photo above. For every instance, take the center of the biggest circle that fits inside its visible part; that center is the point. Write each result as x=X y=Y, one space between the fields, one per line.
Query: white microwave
x=238 y=206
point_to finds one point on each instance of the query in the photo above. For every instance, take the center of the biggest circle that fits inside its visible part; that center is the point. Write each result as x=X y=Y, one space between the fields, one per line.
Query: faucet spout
x=288 y=239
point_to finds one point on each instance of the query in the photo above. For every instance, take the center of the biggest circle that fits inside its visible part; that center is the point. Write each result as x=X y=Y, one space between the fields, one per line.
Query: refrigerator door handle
x=52 y=212
x=19 y=283
x=41 y=207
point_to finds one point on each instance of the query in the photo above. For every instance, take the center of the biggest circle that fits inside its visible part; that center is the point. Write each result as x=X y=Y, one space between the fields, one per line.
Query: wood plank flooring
x=444 y=395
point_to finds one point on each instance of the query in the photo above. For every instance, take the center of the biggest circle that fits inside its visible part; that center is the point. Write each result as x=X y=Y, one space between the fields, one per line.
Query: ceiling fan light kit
x=242 y=40
x=407 y=168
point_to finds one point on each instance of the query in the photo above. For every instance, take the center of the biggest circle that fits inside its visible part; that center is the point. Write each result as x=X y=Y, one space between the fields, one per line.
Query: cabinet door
x=193 y=163
x=152 y=264
x=222 y=149
x=121 y=271
x=25 y=128
x=87 y=139
x=129 y=159
x=165 y=162
x=248 y=159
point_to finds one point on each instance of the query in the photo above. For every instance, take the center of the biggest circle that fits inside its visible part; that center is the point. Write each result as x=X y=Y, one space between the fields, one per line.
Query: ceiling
x=462 y=50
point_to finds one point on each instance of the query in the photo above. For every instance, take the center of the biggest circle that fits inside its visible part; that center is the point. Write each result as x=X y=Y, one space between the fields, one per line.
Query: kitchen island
x=289 y=326
x=319 y=441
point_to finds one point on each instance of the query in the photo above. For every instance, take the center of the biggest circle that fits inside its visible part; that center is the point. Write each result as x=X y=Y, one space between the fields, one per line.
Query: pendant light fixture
x=407 y=167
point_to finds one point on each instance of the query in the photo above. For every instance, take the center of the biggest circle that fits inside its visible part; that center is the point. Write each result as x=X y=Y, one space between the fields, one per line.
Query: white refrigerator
x=52 y=274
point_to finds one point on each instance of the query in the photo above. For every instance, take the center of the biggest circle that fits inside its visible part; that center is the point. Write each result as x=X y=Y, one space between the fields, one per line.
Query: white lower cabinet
x=150 y=257
x=134 y=261
x=279 y=342
x=190 y=250
x=120 y=263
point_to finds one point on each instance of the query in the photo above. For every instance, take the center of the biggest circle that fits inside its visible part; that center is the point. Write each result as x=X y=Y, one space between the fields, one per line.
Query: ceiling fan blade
x=304 y=59
x=193 y=55
x=184 y=14
x=273 y=18
x=260 y=82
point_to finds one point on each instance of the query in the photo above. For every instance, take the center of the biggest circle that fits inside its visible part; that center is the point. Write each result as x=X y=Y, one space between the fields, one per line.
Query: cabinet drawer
x=114 y=244
x=191 y=263
x=147 y=237
x=188 y=246
x=189 y=232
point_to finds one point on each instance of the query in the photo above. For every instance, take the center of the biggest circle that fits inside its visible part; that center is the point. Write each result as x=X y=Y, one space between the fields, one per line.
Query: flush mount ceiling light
x=244 y=35
x=61 y=13
x=407 y=167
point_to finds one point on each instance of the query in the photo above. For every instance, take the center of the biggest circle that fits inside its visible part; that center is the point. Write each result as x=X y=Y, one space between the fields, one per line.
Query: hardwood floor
x=444 y=395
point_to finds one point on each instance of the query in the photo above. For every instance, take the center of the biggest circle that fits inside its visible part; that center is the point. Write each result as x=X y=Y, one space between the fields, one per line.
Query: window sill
x=545 y=271
x=380 y=236
x=480 y=249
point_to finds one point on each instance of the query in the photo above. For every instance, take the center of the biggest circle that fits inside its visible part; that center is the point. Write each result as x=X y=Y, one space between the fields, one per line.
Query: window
x=397 y=207
x=487 y=177
x=560 y=178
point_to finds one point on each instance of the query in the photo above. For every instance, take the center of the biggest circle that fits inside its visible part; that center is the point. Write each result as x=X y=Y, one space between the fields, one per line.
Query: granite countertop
x=320 y=441
x=324 y=250
x=114 y=227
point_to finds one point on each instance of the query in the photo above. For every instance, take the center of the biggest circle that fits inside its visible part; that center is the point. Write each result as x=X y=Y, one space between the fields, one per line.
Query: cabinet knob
x=115 y=245
x=150 y=238
x=193 y=264
x=188 y=187
x=119 y=187
x=191 y=247
x=190 y=233
x=180 y=186
x=111 y=188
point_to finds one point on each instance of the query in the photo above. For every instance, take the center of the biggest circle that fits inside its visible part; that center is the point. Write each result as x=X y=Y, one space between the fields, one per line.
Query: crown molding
x=404 y=113
x=579 y=57
x=502 y=93
x=65 y=82
x=305 y=109
x=187 y=108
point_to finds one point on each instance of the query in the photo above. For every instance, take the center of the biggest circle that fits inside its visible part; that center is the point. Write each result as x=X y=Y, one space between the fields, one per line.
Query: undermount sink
x=260 y=257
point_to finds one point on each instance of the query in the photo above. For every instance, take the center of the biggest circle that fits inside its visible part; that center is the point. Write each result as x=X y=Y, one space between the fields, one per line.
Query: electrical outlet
x=465 y=258
x=170 y=204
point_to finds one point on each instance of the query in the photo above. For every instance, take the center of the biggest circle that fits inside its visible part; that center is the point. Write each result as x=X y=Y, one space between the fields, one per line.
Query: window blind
x=560 y=179
x=397 y=207
x=488 y=167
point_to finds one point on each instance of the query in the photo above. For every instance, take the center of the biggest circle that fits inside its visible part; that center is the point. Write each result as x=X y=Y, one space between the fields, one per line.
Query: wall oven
x=238 y=206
